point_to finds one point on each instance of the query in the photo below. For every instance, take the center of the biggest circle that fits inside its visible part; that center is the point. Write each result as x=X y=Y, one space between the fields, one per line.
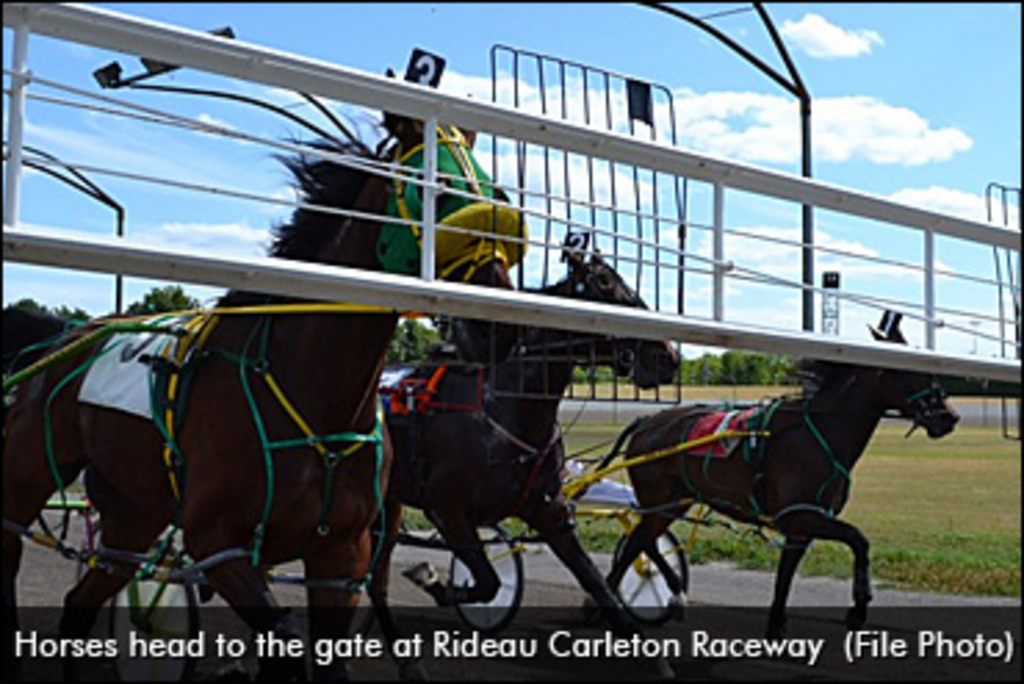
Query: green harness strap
x=51 y=456
x=763 y=420
x=77 y=347
x=38 y=346
x=838 y=469
x=694 y=492
x=330 y=459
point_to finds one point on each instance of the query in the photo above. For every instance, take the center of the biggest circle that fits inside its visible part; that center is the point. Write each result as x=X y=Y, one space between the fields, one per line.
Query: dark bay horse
x=25 y=336
x=278 y=453
x=796 y=480
x=503 y=457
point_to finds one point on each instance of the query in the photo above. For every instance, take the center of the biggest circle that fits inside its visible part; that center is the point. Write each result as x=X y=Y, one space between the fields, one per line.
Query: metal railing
x=111 y=30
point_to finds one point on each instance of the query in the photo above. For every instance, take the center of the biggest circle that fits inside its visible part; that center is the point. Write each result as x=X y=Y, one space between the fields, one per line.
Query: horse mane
x=319 y=182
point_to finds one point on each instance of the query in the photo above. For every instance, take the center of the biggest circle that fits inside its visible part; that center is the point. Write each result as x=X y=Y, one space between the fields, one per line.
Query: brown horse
x=25 y=336
x=501 y=456
x=279 y=452
x=797 y=479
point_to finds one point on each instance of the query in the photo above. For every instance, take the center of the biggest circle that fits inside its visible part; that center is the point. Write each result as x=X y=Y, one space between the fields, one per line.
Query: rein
x=923 y=399
x=531 y=453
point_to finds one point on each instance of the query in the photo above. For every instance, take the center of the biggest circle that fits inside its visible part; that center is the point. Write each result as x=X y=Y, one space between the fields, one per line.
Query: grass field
x=941 y=515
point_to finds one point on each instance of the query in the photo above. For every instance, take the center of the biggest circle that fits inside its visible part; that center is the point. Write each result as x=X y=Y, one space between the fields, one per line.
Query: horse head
x=648 y=363
x=917 y=396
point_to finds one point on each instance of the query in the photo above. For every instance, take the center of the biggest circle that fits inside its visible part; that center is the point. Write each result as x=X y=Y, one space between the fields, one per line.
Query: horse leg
x=461 y=537
x=677 y=601
x=27 y=485
x=792 y=553
x=243 y=586
x=12 y=562
x=134 y=533
x=331 y=608
x=409 y=669
x=644 y=538
x=818 y=525
x=554 y=525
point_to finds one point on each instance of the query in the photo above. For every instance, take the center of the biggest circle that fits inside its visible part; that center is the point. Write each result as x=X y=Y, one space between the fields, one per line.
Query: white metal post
x=429 y=195
x=718 y=285
x=929 y=289
x=1015 y=291
x=16 y=124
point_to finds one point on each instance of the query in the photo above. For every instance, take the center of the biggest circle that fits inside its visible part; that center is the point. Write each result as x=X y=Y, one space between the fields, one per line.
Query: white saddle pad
x=118 y=379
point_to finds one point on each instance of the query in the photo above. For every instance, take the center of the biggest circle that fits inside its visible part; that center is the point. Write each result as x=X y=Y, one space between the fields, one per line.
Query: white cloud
x=740 y=125
x=224 y=239
x=761 y=128
x=956 y=203
x=819 y=38
x=474 y=87
x=213 y=121
x=753 y=127
x=864 y=127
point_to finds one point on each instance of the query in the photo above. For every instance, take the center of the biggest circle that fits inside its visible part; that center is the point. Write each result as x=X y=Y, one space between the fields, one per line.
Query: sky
x=920 y=103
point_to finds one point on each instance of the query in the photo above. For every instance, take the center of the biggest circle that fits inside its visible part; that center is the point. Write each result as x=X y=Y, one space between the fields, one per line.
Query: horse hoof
x=423 y=575
x=677 y=608
x=856 y=617
x=591 y=611
x=233 y=673
x=776 y=628
x=412 y=672
x=294 y=670
x=206 y=593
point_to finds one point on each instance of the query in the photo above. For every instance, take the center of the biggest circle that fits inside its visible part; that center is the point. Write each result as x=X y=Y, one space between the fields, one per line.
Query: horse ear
x=888 y=329
x=574 y=249
x=392 y=122
x=573 y=257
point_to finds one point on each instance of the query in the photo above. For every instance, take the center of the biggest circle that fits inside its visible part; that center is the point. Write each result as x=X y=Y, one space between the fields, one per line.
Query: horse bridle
x=927 y=404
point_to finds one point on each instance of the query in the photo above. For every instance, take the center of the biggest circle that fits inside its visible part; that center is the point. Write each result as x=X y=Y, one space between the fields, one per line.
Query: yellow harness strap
x=573 y=488
x=300 y=422
x=197 y=331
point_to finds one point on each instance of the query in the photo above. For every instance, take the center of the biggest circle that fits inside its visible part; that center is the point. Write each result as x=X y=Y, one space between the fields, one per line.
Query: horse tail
x=623 y=436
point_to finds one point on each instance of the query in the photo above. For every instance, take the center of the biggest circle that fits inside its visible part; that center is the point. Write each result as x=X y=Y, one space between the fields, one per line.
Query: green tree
x=163 y=299
x=411 y=342
x=706 y=370
x=736 y=367
x=62 y=311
